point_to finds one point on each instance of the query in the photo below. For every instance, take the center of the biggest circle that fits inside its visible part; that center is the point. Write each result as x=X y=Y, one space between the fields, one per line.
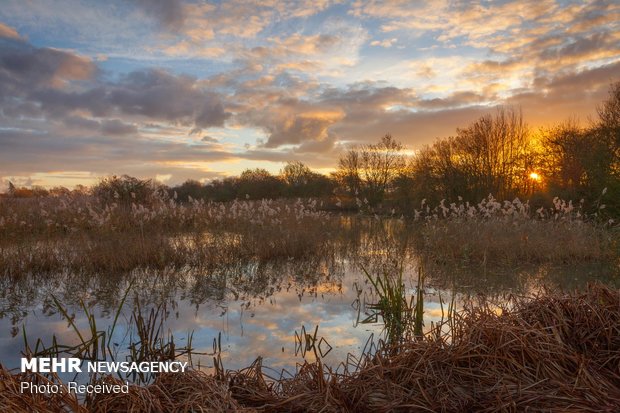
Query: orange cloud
x=8 y=32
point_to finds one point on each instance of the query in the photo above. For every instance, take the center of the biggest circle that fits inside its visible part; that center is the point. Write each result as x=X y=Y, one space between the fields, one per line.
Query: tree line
x=497 y=154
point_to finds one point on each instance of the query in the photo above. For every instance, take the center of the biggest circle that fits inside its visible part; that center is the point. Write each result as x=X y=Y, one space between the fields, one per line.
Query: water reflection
x=258 y=306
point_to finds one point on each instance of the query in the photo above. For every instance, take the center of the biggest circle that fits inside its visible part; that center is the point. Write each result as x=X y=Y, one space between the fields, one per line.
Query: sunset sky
x=190 y=89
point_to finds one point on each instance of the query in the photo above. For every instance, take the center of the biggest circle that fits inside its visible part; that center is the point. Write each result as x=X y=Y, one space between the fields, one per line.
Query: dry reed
x=553 y=353
x=509 y=233
x=79 y=234
x=13 y=400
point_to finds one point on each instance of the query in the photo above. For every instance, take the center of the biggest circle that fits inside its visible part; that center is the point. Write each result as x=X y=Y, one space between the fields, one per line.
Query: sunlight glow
x=535 y=176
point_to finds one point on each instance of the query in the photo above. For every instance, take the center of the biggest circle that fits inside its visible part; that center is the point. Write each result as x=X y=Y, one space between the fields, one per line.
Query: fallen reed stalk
x=553 y=353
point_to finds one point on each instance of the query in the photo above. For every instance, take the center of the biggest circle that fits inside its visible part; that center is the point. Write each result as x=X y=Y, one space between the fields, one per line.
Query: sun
x=535 y=176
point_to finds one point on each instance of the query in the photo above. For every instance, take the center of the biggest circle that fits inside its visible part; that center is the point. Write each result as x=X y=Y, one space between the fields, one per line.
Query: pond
x=244 y=310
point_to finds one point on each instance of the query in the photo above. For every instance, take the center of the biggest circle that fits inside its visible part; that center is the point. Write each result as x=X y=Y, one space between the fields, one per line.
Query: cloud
x=457 y=99
x=38 y=75
x=24 y=153
x=209 y=139
x=8 y=32
x=161 y=95
x=387 y=43
x=301 y=127
x=116 y=127
x=571 y=93
x=169 y=13
x=290 y=121
x=24 y=67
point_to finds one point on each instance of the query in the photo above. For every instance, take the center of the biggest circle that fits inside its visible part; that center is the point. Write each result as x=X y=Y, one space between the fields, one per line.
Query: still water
x=244 y=311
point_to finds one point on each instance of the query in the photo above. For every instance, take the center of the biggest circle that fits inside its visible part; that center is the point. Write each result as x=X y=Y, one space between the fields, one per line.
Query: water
x=255 y=309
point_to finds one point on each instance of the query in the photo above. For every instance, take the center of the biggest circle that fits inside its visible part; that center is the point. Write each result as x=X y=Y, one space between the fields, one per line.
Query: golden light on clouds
x=281 y=80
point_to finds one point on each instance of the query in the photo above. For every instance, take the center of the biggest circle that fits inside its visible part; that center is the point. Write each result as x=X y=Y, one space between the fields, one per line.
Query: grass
x=554 y=352
x=146 y=333
x=80 y=234
x=509 y=234
x=93 y=344
x=402 y=316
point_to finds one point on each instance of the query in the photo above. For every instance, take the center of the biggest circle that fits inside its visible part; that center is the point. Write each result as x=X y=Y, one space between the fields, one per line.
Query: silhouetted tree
x=369 y=171
x=124 y=190
x=259 y=184
x=190 y=188
x=222 y=189
x=348 y=172
x=301 y=181
x=581 y=162
x=491 y=156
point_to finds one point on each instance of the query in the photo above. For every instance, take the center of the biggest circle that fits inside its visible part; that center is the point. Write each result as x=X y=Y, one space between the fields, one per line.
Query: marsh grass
x=553 y=352
x=80 y=234
x=507 y=234
x=93 y=343
x=311 y=343
x=402 y=316
x=13 y=400
x=147 y=337
x=152 y=340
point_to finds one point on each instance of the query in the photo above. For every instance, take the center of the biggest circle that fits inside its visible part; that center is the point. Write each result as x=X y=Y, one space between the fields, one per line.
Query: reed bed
x=82 y=234
x=553 y=352
x=509 y=233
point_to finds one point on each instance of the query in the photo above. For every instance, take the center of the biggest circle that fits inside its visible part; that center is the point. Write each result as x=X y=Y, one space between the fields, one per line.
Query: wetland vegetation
x=396 y=283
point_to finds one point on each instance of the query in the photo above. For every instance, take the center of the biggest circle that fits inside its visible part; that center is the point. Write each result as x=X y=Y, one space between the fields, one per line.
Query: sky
x=180 y=89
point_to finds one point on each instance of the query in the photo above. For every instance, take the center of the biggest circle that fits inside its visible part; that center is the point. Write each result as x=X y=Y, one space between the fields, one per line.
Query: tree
x=189 y=188
x=301 y=181
x=608 y=126
x=491 y=156
x=258 y=183
x=381 y=164
x=124 y=190
x=222 y=189
x=348 y=172
x=369 y=171
x=296 y=174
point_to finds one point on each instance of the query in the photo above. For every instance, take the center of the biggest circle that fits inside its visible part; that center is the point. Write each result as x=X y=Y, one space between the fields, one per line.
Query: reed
x=509 y=233
x=148 y=338
x=402 y=316
x=553 y=352
x=81 y=234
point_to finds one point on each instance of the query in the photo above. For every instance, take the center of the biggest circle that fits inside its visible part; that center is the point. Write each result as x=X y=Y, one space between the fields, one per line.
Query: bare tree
x=492 y=155
x=369 y=170
x=348 y=172
x=296 y=173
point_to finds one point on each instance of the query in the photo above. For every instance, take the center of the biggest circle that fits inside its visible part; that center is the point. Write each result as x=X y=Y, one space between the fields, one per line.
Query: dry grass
x=192 y=391
x=14 y=401
x=78 y=234
x=509 y=234
x=552 y=353
x=499 y=243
